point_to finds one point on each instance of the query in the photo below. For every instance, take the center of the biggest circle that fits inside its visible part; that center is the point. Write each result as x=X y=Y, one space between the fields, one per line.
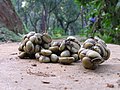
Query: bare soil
x=26 y=74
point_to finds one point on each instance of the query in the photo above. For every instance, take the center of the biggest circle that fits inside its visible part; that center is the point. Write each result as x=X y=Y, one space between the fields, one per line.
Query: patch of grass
x=107 y=38
x=6 y=35
x=60 y=37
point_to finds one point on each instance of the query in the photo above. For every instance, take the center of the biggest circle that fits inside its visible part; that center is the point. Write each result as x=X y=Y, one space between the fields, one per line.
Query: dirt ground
x=26 y=74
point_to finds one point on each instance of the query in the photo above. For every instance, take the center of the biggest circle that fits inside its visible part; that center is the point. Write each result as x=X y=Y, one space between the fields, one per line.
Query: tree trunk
x=9 y=17
x=43 y=26
x=82 y=17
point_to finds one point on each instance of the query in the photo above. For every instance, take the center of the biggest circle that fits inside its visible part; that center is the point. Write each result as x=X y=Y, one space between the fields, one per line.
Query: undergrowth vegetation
x=7 y=35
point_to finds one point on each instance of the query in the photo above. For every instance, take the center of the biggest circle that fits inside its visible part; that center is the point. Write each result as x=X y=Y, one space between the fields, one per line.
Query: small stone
x=65 y=88
x=45 y=82
x=34 y=65
x=53 y=75
x=110 y=85
x=47 y=67
x=16 y=81
x=29 y=89
x=76 y=80
x=64 y=69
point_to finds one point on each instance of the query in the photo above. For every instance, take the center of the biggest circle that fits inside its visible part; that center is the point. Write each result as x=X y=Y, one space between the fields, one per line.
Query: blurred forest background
x=60 y=18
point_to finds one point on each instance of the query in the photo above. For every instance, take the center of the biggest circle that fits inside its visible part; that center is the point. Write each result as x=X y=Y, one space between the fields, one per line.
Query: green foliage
x=6 y=35
x=26 y=29
x=106 y=38
x=110 y=35
x=109 y=19
x=116 y=35
x=83 y=2
x=58 y=32
x=61 y=37
x=67 y=15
